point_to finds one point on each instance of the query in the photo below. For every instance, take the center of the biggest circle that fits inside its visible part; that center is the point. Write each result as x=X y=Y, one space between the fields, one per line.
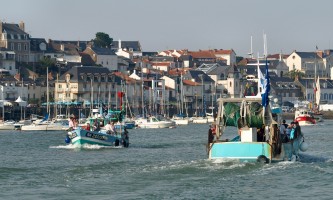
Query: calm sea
x=159 y=164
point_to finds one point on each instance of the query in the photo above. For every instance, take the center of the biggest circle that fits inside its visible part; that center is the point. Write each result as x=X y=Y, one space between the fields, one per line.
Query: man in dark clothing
x=210 y=135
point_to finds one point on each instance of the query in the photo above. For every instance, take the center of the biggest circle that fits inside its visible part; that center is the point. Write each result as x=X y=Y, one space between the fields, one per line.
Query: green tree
x=44 y=63
x=102 y=40
x=295 y=74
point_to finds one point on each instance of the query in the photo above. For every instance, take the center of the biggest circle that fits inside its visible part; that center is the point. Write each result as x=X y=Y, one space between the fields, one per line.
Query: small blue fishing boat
x=98 y=135
x=81 y=136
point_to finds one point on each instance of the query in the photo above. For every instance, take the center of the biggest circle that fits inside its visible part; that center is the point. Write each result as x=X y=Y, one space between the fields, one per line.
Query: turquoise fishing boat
x=257 y=135
x=89 y=135
x=81 y=137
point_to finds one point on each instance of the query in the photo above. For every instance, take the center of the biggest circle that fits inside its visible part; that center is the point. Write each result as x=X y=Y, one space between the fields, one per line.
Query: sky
x=182 y=24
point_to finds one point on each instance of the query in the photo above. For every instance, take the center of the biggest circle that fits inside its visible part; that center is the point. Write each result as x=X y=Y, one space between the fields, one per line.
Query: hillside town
x=73 y=76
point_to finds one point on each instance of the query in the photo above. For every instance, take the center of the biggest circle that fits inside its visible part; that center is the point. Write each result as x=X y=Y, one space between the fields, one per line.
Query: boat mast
x=142 y=87
x=47 y=92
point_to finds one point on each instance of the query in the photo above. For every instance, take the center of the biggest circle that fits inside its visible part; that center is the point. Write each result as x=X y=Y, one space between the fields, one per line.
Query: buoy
x=67 y=140
x=303 y=146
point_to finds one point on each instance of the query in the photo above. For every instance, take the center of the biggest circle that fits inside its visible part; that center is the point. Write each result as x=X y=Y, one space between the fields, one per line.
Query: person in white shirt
x=110 y=129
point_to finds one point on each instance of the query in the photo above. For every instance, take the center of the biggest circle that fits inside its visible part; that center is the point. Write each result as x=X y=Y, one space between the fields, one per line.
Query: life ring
x=262 y=159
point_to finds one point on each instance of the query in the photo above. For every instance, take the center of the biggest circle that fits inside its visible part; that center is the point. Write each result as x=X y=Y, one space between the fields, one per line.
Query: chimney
x=21 y=25
x=320 y=54
x=119 y=44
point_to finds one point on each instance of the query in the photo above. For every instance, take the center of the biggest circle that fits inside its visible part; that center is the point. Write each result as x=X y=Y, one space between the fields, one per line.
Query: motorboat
x=154 y=122
x=304 y=116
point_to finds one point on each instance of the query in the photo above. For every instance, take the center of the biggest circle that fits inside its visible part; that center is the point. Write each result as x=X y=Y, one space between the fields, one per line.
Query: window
x=12 y=46
x=25 y=47
x=19 y=46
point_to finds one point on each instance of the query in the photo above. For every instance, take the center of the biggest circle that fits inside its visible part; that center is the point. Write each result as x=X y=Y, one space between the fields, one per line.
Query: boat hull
x=200 y=120
x=43 y=127
x=248 y=151
x=305 y=120
x=181 y=121
x=81 y=137
x=7 y=127
x=156 y=125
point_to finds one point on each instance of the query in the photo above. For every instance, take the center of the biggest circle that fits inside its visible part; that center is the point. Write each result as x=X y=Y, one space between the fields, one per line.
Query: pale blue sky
x=181 y=24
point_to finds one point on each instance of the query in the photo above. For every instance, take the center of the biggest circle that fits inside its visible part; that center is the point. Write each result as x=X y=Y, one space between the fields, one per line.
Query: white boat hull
x=154 y=122
x=43 y=127
x=200 y=120
x=181 y=121
x=6 y=126
x=156 y=125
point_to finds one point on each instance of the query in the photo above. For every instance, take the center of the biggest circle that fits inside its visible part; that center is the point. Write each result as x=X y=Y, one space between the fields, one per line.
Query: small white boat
x=7 y=125
x=154 y=122
x=45 y=126
x=180 y=120
x=199 y=120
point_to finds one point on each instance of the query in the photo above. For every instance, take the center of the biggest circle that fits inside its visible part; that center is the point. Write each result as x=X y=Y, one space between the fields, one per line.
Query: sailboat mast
x=142 y=87
x=47 y=91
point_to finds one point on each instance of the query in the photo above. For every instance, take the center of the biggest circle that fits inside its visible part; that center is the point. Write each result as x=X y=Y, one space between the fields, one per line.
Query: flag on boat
x=266 y=87
x=261 y=82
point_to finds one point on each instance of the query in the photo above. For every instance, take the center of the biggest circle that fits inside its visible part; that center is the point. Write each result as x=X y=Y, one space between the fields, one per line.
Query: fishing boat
x=304 y=116
x=256 y=136
x=154 y=122
x=83 y=135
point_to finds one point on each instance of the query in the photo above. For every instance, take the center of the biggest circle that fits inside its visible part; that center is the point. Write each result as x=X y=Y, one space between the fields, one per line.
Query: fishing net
x=253 y=117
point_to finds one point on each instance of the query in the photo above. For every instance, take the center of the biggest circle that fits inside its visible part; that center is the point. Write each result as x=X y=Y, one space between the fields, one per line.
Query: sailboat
x=180 y=119
x=5 y=125
x=46 y=124
x=317 y=115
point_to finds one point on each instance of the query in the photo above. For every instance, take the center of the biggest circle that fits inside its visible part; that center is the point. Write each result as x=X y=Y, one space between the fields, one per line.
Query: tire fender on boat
x=67 y=139
x=262 y=159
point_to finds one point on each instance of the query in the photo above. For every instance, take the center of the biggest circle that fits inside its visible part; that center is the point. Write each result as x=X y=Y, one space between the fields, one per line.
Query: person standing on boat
x=297 y=137
x=70 y=124
x=96 y=125
x=283 y=131
x=210 y=135
x=110 y=129
x=88 y=126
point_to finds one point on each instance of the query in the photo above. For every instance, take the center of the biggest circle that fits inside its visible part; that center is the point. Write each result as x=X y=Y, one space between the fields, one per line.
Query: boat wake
x=85 y=146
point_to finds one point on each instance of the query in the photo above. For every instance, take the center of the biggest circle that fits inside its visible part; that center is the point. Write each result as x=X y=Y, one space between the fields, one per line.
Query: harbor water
x=159 y=164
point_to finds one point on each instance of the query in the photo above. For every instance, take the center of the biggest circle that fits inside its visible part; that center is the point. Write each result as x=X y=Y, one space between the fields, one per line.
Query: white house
x=7 y=62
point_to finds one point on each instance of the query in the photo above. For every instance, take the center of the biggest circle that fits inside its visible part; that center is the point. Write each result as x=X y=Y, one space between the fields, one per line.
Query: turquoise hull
x=249 y=151
x=81 y=137
x=245 y=151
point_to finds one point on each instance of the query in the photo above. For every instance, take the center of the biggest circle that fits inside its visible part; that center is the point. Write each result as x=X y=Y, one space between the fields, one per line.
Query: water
x=159 y=164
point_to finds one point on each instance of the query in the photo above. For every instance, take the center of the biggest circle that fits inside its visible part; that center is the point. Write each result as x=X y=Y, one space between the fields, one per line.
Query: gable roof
x=77 y=70
x=135 y=45
x=311 y=55
x=12 y=29
x=102 y=51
